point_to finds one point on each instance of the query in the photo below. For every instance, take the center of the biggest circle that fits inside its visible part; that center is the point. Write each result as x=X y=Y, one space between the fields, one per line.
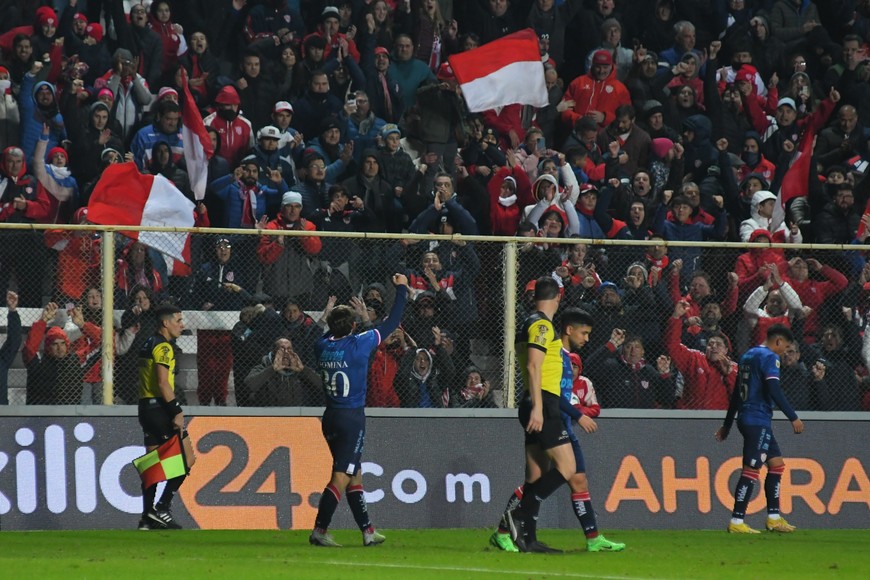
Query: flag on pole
x=795 y=182
x=163 y=463
x=197 y=143
x=503 y=72
x=125 y=197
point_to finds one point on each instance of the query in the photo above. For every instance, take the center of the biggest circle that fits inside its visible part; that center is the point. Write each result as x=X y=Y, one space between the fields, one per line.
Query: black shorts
x=553 y=433
x=345 y=434
x=156 y=424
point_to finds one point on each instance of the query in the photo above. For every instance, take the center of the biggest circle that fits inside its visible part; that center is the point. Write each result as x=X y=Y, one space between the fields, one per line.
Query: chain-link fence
x=669 y=321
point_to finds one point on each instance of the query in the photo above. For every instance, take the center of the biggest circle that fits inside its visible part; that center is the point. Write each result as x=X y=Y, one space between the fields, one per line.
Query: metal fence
x=85 y=299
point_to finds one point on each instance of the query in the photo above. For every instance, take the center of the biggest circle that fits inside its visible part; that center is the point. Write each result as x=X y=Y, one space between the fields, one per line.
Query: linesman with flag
x=162 y=421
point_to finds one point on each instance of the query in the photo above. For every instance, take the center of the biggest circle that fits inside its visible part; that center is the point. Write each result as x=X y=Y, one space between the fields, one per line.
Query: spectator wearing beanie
x=130 y=90
x=61 y=188
x=236 y=132
x=55 y=377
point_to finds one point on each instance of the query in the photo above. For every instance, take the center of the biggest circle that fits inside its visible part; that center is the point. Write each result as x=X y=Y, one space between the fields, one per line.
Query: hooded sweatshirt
x=589 y=95
x=33 y=117
x=759 y=222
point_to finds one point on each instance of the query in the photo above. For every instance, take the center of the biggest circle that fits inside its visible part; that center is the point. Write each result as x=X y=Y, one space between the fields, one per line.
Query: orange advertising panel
x=267 y=472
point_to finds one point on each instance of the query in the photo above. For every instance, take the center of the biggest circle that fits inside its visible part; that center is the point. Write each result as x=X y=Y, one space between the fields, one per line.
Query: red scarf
x=653 y=263
x=249 y=205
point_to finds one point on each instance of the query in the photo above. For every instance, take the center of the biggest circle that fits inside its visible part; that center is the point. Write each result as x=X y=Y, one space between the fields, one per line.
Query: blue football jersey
x=565 y=391
x=758 y=386
x=344 y=365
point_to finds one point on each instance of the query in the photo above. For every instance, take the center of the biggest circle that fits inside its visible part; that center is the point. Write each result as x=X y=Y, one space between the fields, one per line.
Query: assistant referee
x=160 y=413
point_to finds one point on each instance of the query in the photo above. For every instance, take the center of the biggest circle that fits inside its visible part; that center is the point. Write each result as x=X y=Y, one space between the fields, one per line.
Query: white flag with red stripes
x=503 y=72
x=125 y=197
x=197 y=143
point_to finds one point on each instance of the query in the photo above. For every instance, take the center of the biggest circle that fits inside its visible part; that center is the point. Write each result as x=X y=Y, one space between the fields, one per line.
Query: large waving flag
x=197 y=144
x=125 y=197
x=503 y=72
x=795 y=182
x=163 y=463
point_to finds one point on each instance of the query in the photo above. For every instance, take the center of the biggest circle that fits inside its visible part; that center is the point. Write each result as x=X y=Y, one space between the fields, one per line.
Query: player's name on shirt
x=333 y=364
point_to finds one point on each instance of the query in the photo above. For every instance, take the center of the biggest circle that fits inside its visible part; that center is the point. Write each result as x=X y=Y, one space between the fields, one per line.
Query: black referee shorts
x=553 y=433
x=156 y=423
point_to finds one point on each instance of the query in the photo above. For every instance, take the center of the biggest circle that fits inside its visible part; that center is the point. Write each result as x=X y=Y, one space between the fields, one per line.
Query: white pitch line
x=469 y=570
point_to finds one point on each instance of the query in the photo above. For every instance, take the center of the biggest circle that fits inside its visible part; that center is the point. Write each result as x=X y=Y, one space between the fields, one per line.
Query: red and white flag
x=795 y=182
x=197 y=144
x=125 y=197
x=503 y=72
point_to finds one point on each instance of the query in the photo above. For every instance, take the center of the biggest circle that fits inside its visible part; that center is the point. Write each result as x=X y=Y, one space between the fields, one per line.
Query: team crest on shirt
x=608 y=89
x=644 y=384
x=230 y=277
x=763 y=457
x=238 y=130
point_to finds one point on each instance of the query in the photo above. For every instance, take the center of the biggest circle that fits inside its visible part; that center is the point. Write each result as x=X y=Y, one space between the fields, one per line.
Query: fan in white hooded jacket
x=761 y=209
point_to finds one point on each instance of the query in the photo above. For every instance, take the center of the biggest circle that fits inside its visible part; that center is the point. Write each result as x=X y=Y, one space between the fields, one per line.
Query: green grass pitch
x=421 y=554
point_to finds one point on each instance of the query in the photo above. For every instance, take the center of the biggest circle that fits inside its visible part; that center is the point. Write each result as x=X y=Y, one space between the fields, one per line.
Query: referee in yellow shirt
x=160 y=413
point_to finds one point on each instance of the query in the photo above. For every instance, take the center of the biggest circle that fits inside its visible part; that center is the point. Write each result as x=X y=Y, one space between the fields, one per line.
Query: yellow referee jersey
x=156 y=351
x=538 y=332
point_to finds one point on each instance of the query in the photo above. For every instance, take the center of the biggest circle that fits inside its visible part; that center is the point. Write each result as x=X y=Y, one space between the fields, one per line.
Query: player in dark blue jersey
x=343 y=359
x=757 y=390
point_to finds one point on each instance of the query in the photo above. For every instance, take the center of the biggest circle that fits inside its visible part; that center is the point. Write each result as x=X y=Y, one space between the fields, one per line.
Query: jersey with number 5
x=344 y=365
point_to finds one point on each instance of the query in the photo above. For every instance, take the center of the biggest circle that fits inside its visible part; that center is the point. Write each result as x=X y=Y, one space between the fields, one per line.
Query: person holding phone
x=282 y=379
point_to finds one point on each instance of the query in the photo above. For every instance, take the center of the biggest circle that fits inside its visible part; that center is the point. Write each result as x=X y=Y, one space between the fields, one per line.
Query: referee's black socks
x=536 y=492
x=172 y=486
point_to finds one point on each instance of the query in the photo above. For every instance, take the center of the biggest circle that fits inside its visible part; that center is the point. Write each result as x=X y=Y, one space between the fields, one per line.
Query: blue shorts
x=759 y=444
x=345 y=434
x=578 y=455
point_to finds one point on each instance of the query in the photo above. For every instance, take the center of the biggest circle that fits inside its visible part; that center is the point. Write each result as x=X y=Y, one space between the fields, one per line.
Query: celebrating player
x=343 y=358
x=576 y=328
x=757 y=390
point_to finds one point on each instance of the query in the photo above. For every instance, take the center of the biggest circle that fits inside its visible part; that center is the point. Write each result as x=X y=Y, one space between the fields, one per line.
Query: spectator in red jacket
x=383 y=369
x=509 y=192
x=583 y=396
x=596 y=94
x=753 y=265
x=814 y=292
x=709 y=376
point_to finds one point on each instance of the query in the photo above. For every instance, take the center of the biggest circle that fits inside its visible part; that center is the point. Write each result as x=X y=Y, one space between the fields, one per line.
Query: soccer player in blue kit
x=343 y=358
x=752 y=401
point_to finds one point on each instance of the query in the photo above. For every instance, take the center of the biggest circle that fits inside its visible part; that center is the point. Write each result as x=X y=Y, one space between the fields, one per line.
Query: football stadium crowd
x=667 y=120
